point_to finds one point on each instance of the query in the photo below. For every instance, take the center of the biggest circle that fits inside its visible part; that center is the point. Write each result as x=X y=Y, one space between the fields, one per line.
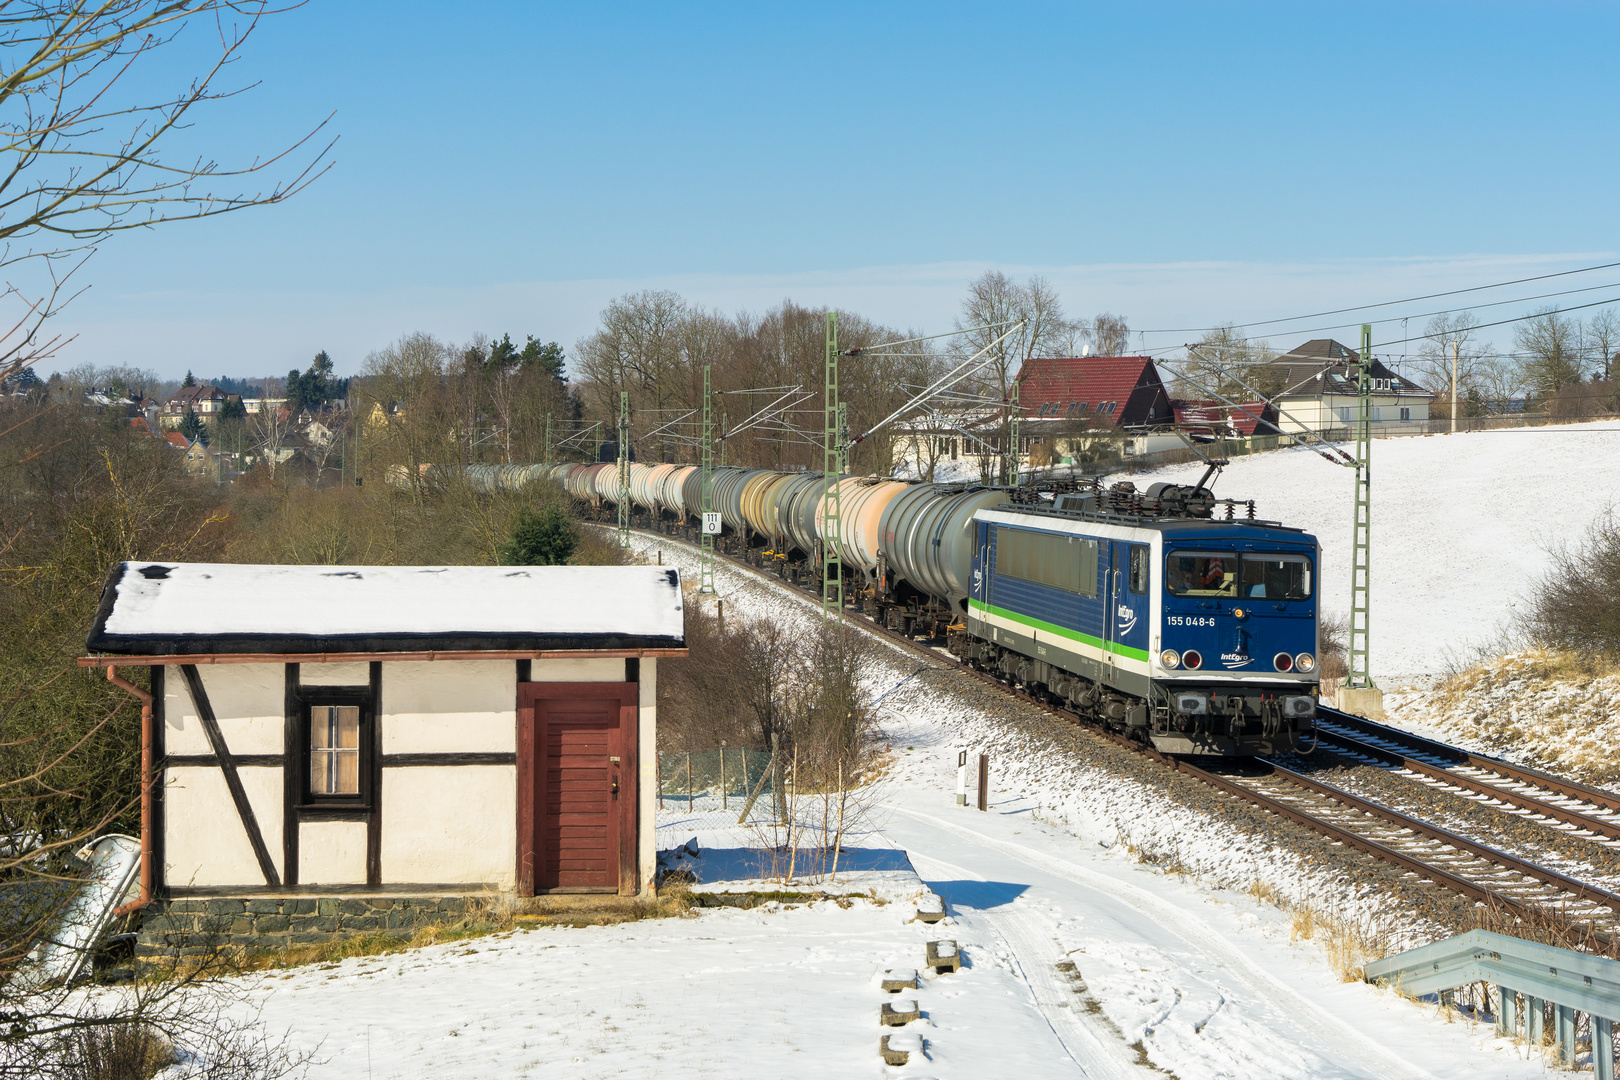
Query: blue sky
x=514 y=169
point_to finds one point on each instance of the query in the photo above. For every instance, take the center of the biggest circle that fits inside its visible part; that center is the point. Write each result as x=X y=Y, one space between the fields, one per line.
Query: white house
x=406 y=731
x=1315 y=390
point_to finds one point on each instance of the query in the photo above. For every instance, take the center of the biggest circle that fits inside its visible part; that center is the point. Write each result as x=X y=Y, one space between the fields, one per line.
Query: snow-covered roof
x=157 y=609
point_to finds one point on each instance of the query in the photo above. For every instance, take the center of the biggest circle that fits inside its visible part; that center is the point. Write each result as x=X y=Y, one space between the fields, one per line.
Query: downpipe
x=146 y=790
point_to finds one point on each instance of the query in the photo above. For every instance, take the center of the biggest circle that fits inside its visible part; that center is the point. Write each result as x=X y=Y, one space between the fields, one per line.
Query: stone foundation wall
x=181 y=928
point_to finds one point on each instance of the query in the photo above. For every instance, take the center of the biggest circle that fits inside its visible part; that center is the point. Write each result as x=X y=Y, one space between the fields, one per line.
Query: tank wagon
x=1144 y=611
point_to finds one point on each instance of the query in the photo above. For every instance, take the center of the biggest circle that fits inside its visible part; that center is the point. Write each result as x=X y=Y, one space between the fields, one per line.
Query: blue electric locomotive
x=1147 y=613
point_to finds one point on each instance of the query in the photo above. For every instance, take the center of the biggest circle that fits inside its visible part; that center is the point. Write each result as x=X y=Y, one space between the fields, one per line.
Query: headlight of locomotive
x=1299 y=706
x=1191 y=704
x=1305 y=663
x=1170 y=658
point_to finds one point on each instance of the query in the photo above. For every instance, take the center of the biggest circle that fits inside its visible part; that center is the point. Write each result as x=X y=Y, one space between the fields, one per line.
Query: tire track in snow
x=1032 y=941
x=1329 y=1036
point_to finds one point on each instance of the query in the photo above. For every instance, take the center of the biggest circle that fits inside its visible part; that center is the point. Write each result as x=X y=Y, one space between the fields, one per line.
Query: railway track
x=1573 y=808
x=1426 y=851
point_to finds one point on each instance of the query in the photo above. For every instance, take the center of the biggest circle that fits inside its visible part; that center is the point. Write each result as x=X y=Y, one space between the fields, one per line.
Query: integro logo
x=1236 y=660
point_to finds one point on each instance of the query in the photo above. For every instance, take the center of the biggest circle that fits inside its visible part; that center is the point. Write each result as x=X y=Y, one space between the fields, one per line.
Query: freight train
x=1148 y=612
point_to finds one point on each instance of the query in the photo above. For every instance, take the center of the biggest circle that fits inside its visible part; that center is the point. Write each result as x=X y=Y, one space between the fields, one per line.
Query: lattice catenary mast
x=624 y=468
x=832 y=564
x=1359 y=676
x=706 y=555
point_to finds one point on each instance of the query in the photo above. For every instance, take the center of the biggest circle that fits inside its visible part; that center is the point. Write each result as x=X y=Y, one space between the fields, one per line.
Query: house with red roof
x=1209 y=420
x=1075 y=406
x=1096 y=392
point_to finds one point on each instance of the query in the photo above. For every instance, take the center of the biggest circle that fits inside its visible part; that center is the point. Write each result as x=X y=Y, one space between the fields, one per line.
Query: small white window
x=334 y=750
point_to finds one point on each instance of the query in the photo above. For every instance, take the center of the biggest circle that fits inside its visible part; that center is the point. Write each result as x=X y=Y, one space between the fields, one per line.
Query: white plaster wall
x=595 y=670
x=332 y=853
x=647 y=755
x=248 y=700
x=204 y=841
x=450 y=706
x=453 y=823
x=355 y=674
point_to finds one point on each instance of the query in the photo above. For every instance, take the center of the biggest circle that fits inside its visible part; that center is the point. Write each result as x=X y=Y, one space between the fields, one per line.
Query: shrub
x=1576 y=605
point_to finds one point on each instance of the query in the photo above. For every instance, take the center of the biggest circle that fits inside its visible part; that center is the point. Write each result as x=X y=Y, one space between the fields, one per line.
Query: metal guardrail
x=1528 y=977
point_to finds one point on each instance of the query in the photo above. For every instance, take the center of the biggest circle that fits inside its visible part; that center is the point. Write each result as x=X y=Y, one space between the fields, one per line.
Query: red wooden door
x=577 y=800
x=579 y=765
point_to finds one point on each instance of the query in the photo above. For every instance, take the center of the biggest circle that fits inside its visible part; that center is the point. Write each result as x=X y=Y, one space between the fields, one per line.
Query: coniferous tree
x=543 y=539
x=191 y=380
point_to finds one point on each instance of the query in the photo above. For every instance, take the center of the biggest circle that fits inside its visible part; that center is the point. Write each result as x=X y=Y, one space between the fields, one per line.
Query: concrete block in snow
x=943 y=956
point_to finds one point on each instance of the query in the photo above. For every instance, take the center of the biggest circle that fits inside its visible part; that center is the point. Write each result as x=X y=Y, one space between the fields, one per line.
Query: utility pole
x=725 y=425
x=624 y=468
x=548 y=439
x=1360 y=693
x=832 y=564
x=706 y=555
x=1457 y=347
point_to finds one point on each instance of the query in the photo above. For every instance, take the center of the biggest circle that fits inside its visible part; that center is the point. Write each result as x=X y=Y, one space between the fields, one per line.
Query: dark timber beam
x=227 y=765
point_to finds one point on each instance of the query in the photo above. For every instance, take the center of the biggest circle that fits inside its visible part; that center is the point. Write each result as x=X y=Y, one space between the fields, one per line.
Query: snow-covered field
x=1079 y=960
x=1461 y=526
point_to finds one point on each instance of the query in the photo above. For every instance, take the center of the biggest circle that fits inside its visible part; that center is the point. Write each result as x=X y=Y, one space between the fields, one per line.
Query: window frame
x=1204 y=553
x=1309 y=562
x=313 y=697
x=1086 y=548
x=1141 y=562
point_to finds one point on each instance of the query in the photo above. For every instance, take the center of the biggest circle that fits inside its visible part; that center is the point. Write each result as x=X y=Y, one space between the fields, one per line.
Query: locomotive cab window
x=1201 y=573
x=1275 y=576
x=1140 y=563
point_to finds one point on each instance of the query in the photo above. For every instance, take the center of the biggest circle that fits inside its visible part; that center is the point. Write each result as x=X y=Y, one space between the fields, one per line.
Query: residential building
x=206 y=401
x=1313 y=389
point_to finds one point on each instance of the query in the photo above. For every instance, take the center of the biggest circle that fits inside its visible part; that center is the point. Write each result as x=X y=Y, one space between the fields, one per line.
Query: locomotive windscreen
x=1272 y=575
x=1277 y=577
x=1201 y=573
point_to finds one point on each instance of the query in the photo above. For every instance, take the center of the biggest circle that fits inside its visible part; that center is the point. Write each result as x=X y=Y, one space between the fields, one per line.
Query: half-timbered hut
x=337 y=749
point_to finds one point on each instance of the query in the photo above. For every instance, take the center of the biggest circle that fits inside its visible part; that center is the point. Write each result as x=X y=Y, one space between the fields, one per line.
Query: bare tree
x=1552 y=343
x=995 y=300
x=1222 y=361
x=1602 y=334
x=1432 y=368
x=1110 y=335
x=1501 y=381
x=85 y=134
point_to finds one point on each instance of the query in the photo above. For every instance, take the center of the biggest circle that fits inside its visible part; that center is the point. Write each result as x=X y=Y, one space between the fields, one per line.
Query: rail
x=1602 y=826
x=1529 y=977
x=1596 y=796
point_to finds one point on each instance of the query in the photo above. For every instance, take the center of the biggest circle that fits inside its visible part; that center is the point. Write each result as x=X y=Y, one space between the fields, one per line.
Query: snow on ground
x=1461 y=526
x=1078 y=959
x=1525 y=708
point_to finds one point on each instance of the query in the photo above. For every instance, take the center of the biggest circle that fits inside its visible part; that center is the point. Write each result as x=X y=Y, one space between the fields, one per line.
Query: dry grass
x=1265 y=892
x=1349 y=943
x=121 y=1050
x=601 y=911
